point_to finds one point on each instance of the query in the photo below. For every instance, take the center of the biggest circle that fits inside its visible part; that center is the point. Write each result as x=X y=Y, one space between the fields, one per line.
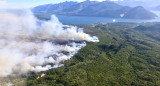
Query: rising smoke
x=28 y=44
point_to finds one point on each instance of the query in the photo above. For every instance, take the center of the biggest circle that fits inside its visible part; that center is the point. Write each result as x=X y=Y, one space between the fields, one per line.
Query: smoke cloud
x=28 y=44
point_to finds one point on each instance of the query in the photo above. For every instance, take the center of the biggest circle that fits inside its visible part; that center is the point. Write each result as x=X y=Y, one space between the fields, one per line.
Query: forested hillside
x=125 y=56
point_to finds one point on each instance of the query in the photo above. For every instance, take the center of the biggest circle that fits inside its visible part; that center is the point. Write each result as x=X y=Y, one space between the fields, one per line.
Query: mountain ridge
x=94 y=8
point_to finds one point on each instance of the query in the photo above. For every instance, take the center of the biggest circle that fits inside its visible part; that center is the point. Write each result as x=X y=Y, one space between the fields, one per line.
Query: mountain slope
x=157 y=8
x=102 y=9
x=78 y=7
x=93 y=8
x=123 y=57
x=53 y=8
x=139 y=13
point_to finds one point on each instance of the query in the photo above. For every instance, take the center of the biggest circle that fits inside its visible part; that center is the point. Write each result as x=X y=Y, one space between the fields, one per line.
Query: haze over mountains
x=94 y=8
x=147 y=4
x=156 y=8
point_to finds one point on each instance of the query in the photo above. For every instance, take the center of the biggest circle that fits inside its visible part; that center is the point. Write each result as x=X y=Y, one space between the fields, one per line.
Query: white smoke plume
x=28 y=44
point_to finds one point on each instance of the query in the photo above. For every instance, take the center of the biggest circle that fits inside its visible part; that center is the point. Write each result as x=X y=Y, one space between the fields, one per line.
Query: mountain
x=147 y=4
x=94 y=8
x=152 y=28
x=139 y=13
x=157 y=8
x=53 y=8
x=78 y=7
x=123 y=57
x=102 y=9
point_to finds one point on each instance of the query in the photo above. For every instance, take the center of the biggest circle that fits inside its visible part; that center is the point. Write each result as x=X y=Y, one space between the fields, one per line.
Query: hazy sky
x=39 y=2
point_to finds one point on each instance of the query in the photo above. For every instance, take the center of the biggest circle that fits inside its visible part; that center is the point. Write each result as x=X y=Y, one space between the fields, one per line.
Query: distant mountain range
x=94 y=8
x=156 y=8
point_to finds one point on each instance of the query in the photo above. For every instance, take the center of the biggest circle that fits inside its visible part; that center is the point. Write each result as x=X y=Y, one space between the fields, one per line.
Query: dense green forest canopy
x=128 y=54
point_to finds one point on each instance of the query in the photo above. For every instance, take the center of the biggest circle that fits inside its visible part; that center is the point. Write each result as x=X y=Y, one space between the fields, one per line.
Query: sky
x=41 y=2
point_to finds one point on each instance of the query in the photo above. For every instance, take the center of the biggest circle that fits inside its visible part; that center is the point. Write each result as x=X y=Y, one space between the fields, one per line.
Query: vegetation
x=124 y=56
x=94 y=8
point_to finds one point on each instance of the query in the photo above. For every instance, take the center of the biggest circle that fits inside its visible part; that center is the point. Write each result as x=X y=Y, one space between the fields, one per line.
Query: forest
x=128 y=54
